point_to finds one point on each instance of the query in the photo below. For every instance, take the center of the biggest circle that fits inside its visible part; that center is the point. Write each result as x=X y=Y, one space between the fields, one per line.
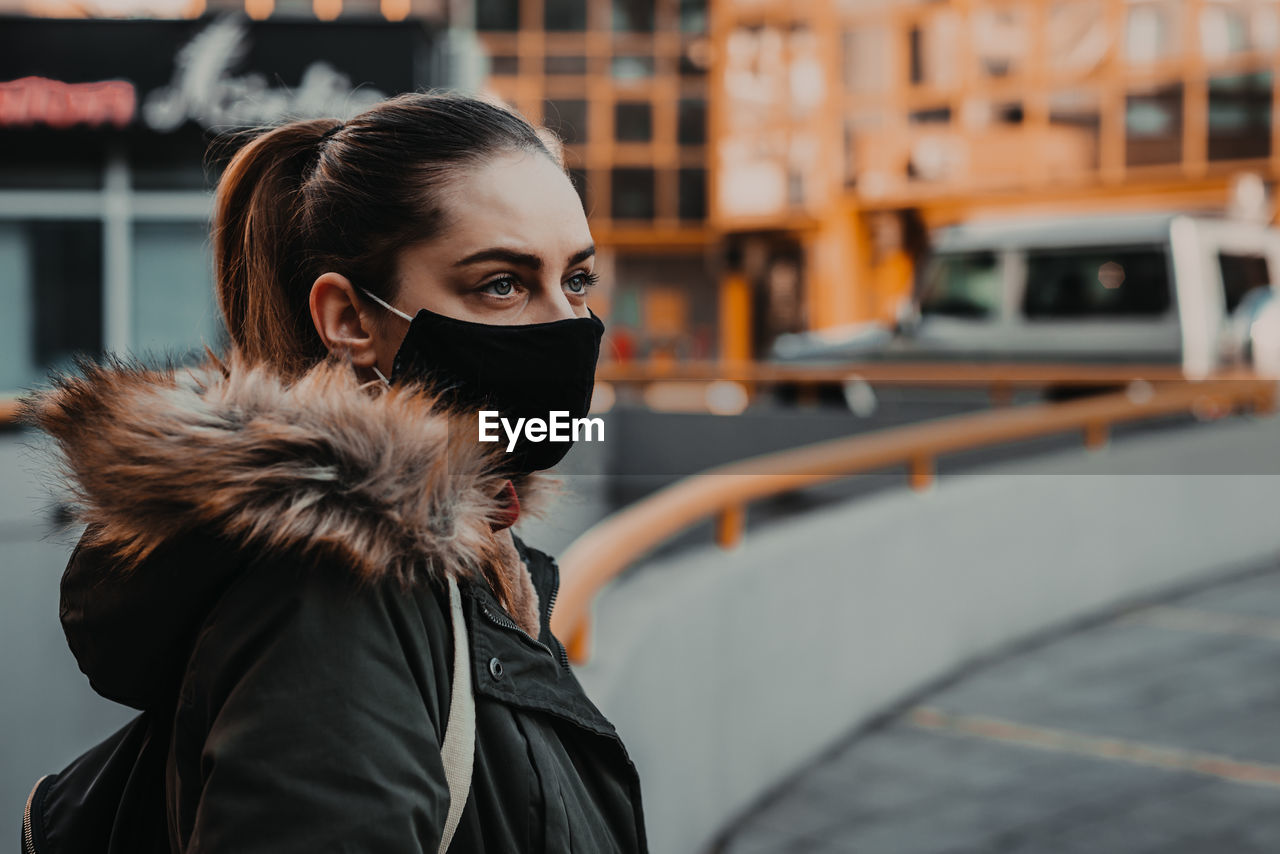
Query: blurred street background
x=938 y=505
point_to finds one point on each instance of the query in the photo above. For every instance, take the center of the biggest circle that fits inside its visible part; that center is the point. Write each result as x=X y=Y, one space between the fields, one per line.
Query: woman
x=269 y=535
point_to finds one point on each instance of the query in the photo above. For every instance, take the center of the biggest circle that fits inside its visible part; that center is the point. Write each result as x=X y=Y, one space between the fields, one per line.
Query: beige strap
x=459 y=747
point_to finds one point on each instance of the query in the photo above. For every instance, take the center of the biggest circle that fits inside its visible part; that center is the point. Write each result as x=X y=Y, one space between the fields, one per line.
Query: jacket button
x=495 y=668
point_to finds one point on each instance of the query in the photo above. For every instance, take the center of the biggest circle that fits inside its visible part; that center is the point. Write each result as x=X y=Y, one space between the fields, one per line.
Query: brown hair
x=320 y=195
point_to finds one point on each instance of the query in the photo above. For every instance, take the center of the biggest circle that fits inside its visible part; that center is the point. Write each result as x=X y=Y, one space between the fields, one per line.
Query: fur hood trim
x=387 y=480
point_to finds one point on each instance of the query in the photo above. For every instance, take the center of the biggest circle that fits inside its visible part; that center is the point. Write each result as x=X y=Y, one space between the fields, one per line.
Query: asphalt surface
x=1155 y=730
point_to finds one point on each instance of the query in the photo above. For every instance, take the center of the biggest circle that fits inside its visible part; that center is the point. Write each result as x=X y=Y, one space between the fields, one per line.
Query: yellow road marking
x=1065 y=741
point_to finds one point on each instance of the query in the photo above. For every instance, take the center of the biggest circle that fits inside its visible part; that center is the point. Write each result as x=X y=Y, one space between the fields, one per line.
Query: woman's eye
x=501 y=287
x=579 y=283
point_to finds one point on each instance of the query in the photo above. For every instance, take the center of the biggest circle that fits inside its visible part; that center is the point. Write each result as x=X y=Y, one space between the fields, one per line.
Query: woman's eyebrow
x=522 y=259
x=581 y=255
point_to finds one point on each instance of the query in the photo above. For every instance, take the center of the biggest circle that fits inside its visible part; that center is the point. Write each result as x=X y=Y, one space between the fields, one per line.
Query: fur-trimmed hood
x=389 y=482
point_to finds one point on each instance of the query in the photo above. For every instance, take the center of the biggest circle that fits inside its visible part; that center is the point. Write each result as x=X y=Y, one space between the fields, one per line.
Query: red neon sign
x=39 y=100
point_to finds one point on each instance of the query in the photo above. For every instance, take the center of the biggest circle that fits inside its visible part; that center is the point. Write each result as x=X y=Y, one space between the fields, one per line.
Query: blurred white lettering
x=202 y=89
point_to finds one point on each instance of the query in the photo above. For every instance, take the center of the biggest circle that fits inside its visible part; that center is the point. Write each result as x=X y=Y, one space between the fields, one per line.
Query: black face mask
x=522 y=371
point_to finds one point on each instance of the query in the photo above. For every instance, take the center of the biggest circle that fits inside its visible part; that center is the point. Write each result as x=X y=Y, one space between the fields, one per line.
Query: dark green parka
x=263 y=571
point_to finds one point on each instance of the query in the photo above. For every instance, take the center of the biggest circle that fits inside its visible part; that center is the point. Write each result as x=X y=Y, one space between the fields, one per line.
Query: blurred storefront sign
x=204 y=88
x=218 y=74
x=114 y=132
x=41 y=101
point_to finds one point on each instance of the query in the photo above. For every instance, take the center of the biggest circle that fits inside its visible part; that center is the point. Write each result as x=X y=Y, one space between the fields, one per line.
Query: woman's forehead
x=522 y=202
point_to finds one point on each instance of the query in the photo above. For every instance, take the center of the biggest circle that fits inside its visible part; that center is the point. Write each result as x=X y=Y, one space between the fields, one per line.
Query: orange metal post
x=1095 y=434
x=735 y=317
x=921 y=472
x=579 y=645
x=731 y=523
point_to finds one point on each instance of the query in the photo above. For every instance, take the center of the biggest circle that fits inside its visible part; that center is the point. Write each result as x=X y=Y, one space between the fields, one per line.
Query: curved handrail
x=999 y=376
x=892 y=372
x=9 y=409
x=610 y=546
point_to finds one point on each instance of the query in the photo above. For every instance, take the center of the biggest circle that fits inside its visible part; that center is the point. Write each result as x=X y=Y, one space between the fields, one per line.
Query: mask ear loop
x=386 y=305
x=393 y=310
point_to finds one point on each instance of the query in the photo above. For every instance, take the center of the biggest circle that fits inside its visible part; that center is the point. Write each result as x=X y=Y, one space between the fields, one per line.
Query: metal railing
x=723 y=493
x=949 y=373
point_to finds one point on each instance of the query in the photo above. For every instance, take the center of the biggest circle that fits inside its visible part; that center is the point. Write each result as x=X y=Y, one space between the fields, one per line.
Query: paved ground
x=1158 y=731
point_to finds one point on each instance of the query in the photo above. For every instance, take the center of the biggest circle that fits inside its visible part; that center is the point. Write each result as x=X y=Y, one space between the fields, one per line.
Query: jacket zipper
x=503 y=621
x=551 y=604
x=550 y=609
x=28 y=832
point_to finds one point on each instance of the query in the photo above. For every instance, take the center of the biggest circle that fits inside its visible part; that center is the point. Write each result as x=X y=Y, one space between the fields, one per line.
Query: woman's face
x=515 y=249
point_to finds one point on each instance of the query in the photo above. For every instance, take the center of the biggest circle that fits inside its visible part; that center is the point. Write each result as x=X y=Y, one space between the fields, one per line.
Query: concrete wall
x=726 y=671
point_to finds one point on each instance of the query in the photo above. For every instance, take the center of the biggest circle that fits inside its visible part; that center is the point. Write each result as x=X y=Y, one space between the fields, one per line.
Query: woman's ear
x=342 y=320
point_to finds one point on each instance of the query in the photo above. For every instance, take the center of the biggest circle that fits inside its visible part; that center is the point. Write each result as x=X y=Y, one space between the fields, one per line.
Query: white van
x=1149 y=289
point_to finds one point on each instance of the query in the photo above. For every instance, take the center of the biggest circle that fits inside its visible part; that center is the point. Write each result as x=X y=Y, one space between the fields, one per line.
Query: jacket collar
x=390 y=481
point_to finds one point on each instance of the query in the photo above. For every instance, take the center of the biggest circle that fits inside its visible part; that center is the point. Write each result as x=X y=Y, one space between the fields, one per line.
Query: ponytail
x=258 y=246
x=320 y=195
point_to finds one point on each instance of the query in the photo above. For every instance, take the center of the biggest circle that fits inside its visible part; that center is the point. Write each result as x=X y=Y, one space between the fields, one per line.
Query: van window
x=1241 y=274
x=1096 y=282
x=962 y=285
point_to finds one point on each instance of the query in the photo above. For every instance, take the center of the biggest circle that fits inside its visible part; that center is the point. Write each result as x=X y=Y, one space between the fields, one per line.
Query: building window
x=1240 y=116
x=632 y=191
x=631 y=67
x=503 y=64
x=500 y=15
x=691 y=122
x=174 y=310
x=568 y=118
x=930 y=116
x=51 y=284
x=693 y=16
x=570 y=15
x=565 y=64
x=633 y=16
x=1153 y=127
x=633 y=122
x=693 y=194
